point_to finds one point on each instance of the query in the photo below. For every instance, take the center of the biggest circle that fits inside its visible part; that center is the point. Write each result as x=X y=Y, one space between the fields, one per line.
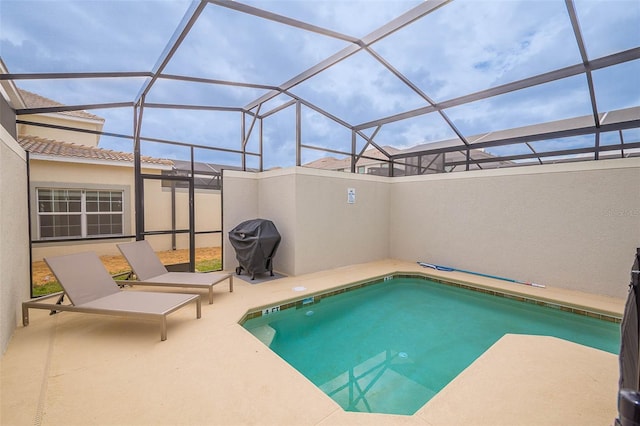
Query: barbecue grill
x=255 y=242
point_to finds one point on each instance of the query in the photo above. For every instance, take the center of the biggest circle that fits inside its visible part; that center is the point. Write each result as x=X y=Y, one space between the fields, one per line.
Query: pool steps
x=264 y=333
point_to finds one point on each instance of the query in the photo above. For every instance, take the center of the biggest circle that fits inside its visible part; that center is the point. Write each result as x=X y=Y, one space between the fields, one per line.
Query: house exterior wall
x=14 y=229
x=62 y=174
x=80 y=138
x=8 y=118
x=157 y=208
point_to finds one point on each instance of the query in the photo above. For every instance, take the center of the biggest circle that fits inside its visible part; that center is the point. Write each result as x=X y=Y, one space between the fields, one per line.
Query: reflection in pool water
x=390 y=347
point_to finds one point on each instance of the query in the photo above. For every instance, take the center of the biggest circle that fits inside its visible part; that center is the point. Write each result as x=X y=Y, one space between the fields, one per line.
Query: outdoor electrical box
x=351 y=195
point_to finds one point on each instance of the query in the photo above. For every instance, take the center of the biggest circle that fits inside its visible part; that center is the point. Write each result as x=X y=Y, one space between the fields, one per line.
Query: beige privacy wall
x=570 y=225
x=330 y=232
x=319 y=228
x=239 y=203
x=14 y=235
x=573 y=225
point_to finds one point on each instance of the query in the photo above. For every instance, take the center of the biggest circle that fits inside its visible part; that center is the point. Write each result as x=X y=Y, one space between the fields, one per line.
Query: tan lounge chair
x=91 y=290
x=149 y=270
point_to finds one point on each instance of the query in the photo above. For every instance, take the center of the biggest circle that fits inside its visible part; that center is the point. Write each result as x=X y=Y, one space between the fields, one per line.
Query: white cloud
x=609 y=26
x=462 y=47
x=88 y=35
x=359 y=89
x=470 y=46
x=553 y=101
x=355 y=18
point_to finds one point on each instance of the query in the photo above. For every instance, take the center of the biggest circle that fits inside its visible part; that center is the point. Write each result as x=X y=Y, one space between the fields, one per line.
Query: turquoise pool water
x=390 y=347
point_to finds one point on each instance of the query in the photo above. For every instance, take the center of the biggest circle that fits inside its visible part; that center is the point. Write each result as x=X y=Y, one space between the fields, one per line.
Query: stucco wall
x=319 y=228
x=239 y=203
x=157 y=209
x=330 y=232
x=14 y=232
x=157 y=206
x=277 y=202
x=60 y=134
x=572 y=225
x=8 y=118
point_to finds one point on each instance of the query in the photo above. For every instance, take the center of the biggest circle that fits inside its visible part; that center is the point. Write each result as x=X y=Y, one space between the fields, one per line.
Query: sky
x=463 y=47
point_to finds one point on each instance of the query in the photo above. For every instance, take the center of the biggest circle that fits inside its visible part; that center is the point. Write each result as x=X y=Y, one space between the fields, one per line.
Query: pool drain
x=403 y=355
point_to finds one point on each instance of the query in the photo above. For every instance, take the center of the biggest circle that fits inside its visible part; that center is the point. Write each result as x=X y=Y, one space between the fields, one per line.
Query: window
x=78 y=213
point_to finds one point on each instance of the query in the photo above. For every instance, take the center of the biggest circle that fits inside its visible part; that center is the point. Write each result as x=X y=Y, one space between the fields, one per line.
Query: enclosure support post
x=242 y=136
x=137 y=170
x=245 y=137
x=298 y=133
x=173 y=215
x=28 y=170
x=192 y=216
x=353 y=151
x=468 y=158
x=261 y=129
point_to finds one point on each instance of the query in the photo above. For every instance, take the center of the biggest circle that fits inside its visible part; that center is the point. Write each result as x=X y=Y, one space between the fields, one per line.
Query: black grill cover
x=629 y=375
x=629 y=385
x=256 y=242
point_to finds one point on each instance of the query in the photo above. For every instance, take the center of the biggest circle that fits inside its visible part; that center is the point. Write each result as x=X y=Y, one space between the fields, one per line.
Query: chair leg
x=163 y=328
x=25 y=315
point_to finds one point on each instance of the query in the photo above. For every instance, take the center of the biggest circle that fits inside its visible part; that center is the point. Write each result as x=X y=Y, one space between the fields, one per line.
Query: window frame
x=54 y=201
x=36 y=214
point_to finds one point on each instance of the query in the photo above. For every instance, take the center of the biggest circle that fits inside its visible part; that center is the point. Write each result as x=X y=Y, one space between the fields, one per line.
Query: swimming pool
x=389 y=347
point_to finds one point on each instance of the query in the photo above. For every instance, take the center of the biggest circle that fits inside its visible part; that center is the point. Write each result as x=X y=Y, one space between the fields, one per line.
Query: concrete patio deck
x=78 y=369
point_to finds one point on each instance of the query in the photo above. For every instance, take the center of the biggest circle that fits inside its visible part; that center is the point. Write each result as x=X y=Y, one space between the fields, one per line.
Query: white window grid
x=83 y=213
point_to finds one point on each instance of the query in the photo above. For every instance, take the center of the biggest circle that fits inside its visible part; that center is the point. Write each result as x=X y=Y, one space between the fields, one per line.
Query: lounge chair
x=149 y=270
x=91 y=290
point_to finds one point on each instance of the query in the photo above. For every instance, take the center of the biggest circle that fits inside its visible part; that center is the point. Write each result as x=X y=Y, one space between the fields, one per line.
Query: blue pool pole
x=447 y=268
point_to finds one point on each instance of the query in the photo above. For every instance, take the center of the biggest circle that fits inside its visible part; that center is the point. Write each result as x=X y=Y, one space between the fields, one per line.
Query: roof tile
x=33 y=100
x=38 y=145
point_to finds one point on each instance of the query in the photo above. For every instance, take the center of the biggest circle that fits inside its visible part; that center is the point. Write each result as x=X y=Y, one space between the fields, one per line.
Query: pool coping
x=317 y=296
